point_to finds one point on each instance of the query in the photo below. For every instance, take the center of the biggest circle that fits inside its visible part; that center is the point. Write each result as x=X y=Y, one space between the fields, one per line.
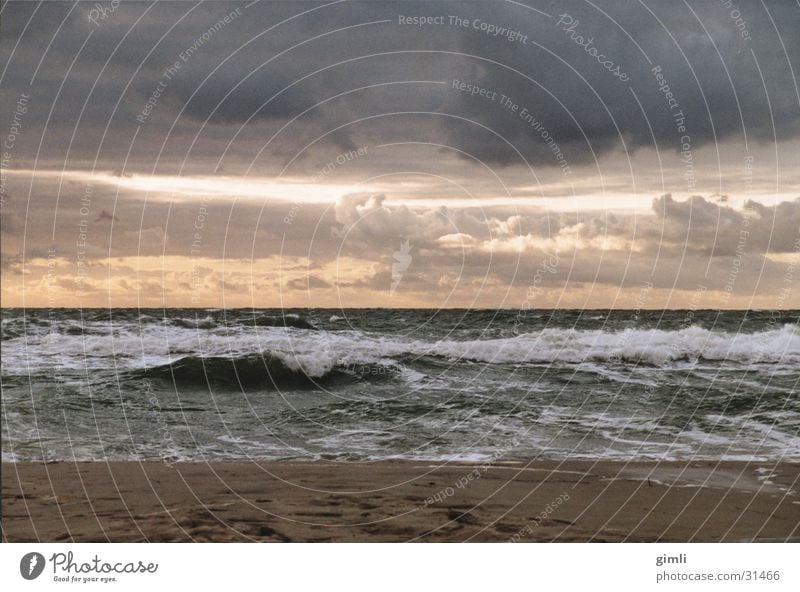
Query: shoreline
x=401 y=500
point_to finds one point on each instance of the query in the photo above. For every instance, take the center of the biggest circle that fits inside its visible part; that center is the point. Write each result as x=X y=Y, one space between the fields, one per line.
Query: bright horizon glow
x=298 y=190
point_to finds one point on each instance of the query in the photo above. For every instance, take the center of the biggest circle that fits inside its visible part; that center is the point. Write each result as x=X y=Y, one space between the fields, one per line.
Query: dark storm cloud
x=216 y=87
x=220 y=101
x=705 y=63
x=713 y=71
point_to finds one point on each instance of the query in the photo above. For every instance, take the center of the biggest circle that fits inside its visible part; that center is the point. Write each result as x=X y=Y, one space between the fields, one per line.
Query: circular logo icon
x=31 y=565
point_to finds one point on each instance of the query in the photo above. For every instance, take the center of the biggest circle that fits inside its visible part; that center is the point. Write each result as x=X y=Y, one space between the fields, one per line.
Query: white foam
x=317 y=352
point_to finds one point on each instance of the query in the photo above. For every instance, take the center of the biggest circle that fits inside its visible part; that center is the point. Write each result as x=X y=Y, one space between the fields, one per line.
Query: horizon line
x=391 y=308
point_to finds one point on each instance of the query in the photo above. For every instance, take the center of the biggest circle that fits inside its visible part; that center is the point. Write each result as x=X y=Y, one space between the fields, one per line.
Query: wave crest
x=653 y=347
x=267 y=371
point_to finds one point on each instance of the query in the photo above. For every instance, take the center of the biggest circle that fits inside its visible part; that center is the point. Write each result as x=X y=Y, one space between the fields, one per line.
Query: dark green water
x=368 y=384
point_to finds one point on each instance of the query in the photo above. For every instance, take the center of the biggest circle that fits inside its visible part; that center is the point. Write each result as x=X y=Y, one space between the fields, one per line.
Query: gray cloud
x=715 y=74
x=312 y=282
x=337 y=78
x=721 y=230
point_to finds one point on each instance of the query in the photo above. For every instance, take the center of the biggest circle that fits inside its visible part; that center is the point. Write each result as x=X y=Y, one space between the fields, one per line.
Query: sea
x=368 y=384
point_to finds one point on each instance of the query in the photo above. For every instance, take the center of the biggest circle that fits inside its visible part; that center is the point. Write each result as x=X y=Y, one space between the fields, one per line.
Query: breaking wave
x=261 y=371
x=317 y=353
x=652 y=347
x=288 y=320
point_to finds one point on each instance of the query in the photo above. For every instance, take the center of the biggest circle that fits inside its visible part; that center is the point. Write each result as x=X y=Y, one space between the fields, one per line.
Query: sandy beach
x=510 y=501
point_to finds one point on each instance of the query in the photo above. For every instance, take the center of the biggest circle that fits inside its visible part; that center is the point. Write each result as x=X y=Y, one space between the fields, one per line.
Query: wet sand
x=400 y=501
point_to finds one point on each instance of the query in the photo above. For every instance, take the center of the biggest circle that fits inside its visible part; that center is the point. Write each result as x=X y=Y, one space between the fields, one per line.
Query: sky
x=625 y=154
